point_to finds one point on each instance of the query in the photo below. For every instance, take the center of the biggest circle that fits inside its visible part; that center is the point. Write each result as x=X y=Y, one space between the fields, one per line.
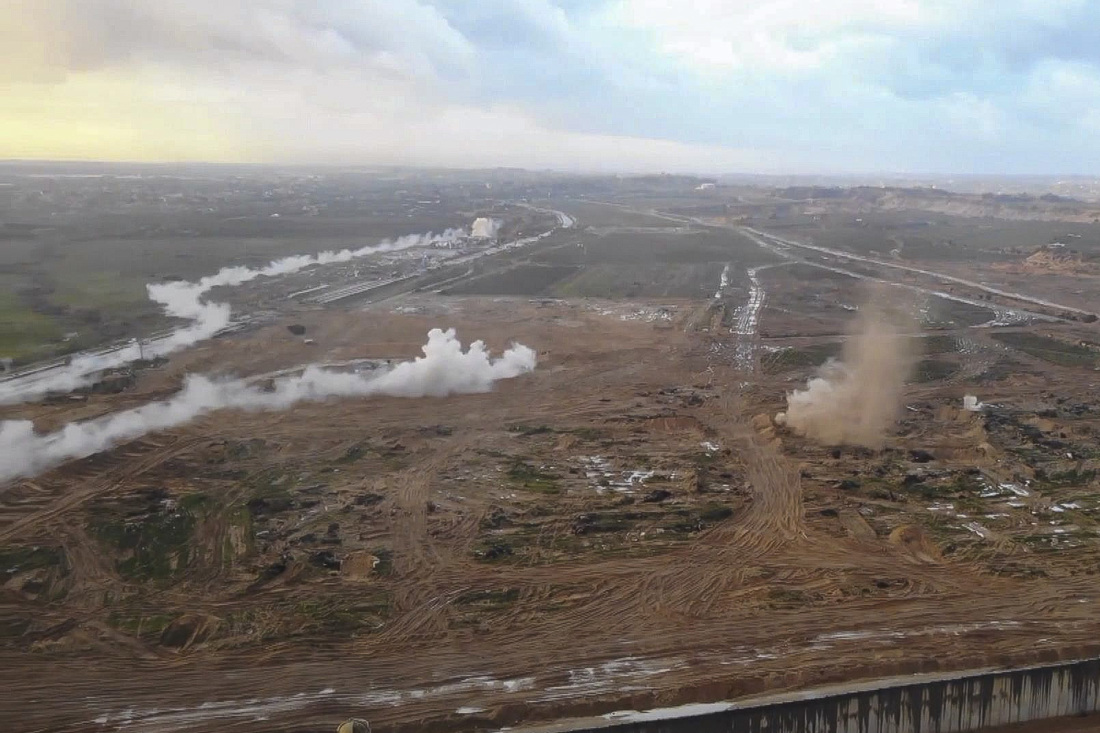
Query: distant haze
x=612 y=85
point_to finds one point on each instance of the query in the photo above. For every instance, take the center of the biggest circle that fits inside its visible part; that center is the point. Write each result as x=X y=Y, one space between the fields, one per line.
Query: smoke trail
x=184 y=300
x=444 y=369
x=855 y=400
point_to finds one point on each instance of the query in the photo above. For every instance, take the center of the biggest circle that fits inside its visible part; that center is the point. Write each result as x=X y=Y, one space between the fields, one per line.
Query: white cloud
x=622 y=84
x=775 y=34
x=70 y=36
x=312 y=81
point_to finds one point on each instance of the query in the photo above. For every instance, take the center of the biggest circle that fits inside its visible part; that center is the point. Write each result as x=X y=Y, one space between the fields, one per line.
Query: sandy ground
x=796 y=585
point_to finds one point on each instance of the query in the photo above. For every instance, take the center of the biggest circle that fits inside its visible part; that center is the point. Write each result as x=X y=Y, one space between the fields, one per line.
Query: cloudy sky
x=921 y=86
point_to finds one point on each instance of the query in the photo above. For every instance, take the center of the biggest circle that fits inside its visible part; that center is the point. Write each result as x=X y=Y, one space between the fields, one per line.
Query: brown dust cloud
x=854 y=400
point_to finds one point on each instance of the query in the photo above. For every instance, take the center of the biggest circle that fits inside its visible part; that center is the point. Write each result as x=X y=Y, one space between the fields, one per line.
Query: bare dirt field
x=623 y=528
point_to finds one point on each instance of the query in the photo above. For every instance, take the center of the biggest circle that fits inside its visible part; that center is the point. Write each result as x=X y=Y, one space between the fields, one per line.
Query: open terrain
x=625 y=527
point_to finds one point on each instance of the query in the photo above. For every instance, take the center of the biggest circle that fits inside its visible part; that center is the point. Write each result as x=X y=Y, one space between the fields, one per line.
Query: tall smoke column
x=444 y=369
x=855 y=400
x=184 y=300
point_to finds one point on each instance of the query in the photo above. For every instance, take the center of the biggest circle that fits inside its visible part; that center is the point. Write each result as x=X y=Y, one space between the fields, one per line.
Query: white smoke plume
x=484 y=228
x=855 y=400
x=444 y=369
x=185 y=300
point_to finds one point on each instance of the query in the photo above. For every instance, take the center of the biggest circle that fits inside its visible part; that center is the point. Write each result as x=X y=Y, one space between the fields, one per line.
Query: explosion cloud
x=484 y=228
x=855 y=400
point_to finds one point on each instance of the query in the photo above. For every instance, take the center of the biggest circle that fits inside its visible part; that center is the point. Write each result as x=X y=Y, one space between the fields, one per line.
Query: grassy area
x=22 y=559
x=24 y=333
x=1049 y=349
x=531 y=478
x=933 y=370
x=788 y=598
x=522 y=280
x=931 y=236
x=601 y=215
x=488 y=600
x=944 y=312
x=138 y=623
x=939 y=344
x=156 y=546
x=800 y=358
x=641 y=281
x=363 y=614
x=107 y=292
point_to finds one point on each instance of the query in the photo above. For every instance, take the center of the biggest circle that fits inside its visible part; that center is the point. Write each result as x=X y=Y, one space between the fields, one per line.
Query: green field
x=1050 y=349
x=23 y=333
x=593 y=214
x=931 y=237
x=641 y=281
x=521 y=280
x=790 y=359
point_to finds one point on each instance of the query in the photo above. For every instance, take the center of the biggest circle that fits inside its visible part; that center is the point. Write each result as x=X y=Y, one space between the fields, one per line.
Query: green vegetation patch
x=24 y=332
x=521 y=280
x=942 y=311
x=270 y=492
x=352 y=454
x=801 y=358
x=15 y=560
x=602 y=215
x=494 y=550
x=641 y=280
x=962 y=484
x=110 y=292
x=933 y=370
x=365 y=613
x=1049 y=349
x=1072 y=477
x=384 y=567
x=696 y=519
x=525 y=430
x=156 y=546
x=138 y=623
x=488 y=600
x=788 y=598
x=530 y=478
x=602 y=522
x=940 y=344
x=715 y=513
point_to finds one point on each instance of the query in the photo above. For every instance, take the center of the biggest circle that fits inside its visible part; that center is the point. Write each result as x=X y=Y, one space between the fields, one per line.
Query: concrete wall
x=943 y=705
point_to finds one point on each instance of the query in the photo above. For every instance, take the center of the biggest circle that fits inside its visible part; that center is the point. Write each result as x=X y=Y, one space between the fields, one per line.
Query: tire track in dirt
x=589 y=632
x=428 y=559
x=117 y=476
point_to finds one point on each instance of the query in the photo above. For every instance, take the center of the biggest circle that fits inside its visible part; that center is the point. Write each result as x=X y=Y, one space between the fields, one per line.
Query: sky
x=703 y=86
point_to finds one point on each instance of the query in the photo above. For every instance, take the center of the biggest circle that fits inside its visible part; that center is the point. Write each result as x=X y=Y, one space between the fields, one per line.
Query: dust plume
x=185 y=300
x=446 y=368
x=484 y=228
x=854 y=400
